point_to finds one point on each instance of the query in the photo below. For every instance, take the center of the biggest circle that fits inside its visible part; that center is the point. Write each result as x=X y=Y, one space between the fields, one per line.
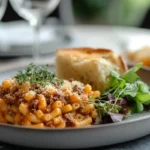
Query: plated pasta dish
x=36 y=97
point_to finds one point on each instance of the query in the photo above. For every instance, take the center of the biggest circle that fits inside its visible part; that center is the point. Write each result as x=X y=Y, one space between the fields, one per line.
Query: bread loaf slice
x=88 y=65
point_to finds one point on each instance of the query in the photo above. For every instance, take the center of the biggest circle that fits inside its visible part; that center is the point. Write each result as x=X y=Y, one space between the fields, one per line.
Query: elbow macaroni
x=23 y=108
x=66 y=108
x=48 y=108
x=88 y=108
x=57 y=104
x=85 y=122
x=75 y=106
x=29 y=95
x=62 y=124
x=42 y=102
x=47 y=117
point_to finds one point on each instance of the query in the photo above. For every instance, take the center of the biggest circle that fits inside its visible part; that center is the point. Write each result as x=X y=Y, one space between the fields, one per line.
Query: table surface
x=96 y=36
x=138 y=144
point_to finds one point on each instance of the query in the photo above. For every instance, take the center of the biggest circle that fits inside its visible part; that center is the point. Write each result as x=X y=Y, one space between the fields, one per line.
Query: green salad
x=127 y=94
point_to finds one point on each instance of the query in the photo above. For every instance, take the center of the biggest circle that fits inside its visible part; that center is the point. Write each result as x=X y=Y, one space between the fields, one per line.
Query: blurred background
x=117 y=12
x=117 y=24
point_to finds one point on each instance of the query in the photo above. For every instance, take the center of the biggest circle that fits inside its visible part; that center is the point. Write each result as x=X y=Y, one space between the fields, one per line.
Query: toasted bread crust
x=101 y=51
x=89 y=65
x=122 y=64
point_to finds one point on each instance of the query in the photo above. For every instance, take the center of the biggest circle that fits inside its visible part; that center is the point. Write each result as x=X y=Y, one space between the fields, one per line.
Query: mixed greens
x=126 y=94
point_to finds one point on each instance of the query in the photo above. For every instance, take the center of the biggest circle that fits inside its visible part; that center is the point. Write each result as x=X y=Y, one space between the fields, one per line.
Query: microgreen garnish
x=105 y=107
x=39 y=75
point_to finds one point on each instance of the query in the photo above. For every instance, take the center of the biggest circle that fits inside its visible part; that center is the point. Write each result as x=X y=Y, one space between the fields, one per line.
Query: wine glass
x=34 y=11
x=3 y=5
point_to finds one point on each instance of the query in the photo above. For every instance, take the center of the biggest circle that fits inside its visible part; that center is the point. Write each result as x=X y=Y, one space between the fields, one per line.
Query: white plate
x=98 y=135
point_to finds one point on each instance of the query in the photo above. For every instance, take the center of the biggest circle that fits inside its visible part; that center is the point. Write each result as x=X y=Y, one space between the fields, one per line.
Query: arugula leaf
x=142 y=97
x=130 y=76
x=139 y=107
x=130 y=90
x=143 y=87
x=114 y=79
x=115 y=74
x=136 y=67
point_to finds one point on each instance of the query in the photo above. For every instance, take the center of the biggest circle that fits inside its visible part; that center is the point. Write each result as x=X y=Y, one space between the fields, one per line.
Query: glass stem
x=36 y=44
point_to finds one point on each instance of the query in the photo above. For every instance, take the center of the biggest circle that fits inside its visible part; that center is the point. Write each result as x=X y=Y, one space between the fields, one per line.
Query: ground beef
x=50 y=124
x=48 y=109
x=18 y=94
x=49 y=100
x=34 y=104
x=69 y=119
x=19 y=101
x=11 y=96
x=39 y=91
x=9 y=99
x=3 y=92
x=12 y=113
x=55 y=97
x=77 y=89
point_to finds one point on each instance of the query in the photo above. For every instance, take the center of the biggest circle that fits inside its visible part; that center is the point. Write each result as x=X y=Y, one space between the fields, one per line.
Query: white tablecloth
x=118 y=39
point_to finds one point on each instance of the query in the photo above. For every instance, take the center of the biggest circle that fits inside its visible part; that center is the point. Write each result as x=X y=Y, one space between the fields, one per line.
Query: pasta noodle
x=88 y=108
x=23 y=108
x=67 y=108
x=42 y=102
x=62 y=124
x=47 y=117
x=74 y=98
x=57 y=104
x=57 y=120
x=29 y=95
x=75 y=106
x=79 y=117
x=85 y=122
x=33 y=118
x=17 y=118
x=39 y=113
x=38 y=125
x=9 y=118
